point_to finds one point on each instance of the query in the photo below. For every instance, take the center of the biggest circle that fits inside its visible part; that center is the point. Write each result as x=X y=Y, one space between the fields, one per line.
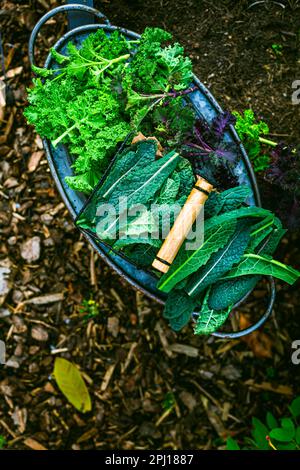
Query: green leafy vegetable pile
x=236 y=252
x=239 y=240
x=91 y=100
x=104 y=90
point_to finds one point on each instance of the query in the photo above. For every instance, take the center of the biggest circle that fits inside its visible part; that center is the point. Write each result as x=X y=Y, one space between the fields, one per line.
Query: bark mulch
x=150 y=388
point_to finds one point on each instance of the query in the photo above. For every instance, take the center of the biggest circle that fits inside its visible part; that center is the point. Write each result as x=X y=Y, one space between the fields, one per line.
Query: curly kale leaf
x=251 y=131
x=175 y=69
x=156 y=68
x=99 y=45
x=48 y=103
x=85 y=182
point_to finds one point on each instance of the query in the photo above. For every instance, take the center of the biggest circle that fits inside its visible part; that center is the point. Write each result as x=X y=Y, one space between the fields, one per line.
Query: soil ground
x=150 y=388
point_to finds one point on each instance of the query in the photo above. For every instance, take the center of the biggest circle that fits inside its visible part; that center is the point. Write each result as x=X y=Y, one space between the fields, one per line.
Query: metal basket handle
x=55 y=11
x=259 y=323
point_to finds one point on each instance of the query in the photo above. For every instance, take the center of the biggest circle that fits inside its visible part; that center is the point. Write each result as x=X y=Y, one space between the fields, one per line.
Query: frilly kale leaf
x=156 y=68
x=250 y=130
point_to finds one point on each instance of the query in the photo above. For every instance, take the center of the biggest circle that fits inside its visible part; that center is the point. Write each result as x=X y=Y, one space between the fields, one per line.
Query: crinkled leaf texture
x=226 y=201
x=178 y=309
x=209 y=320
x=138 y=188
x=228 y=292
x=188 y=262
x=220 y=262
x=266 y=266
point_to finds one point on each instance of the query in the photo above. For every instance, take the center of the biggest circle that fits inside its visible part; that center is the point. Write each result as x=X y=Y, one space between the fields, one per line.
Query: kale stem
x=59 y=75
x=152 y=105
x=118 y=59
x=267 y=141
x=110 y=62
x=63 y=135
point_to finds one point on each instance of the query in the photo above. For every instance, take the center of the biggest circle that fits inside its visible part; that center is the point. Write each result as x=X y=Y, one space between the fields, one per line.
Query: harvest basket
x=60 y=162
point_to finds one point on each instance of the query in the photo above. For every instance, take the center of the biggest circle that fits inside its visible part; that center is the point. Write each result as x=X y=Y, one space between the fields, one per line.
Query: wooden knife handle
x=182 y=224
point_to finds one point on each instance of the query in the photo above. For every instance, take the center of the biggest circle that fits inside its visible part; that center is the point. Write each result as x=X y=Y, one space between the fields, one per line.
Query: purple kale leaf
x=221 y=123
x=209 y=152
x=283 y=177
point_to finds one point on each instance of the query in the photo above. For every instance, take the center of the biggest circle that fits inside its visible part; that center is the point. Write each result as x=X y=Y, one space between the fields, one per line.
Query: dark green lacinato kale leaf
x=150 y=181
x=141 y=254
x=137 y=187
x=188 y=262
x=209 y=320
x=221 y=261
x=126 y=163
x=266 y=235
x=129 y=240
x=217 y=231
x=178 y=309
x=226 y=201
x=131 y=159
x=169 y=190
x=244 y=212
x=187 y=179
x=263 y=265
x=228 y=292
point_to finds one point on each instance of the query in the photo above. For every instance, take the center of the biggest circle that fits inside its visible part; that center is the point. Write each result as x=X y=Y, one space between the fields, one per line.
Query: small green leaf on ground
x=295 y=407
x=231 y=444
x=71 y=384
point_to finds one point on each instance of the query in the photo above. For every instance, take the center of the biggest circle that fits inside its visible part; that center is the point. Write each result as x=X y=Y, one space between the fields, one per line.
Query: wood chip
x=34 y=160
x=39 y=333
x=45 y=299
x=113 y=326
x=13 y=72
x=106 y=379
x=214 y=419
x=87 y=435
x=33 y=444
x=119 y=301
x=188 y=399
x=129 y=357
x=184 y=349
x=280 y=389
x=9 y=123
x=92 y=268
x=163 y=340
